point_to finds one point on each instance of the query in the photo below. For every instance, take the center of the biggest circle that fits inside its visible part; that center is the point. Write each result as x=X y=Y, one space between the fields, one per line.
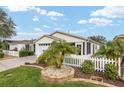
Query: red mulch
x=79 y=74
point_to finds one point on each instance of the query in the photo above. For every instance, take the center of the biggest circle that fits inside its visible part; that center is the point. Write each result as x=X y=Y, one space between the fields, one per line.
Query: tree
x=7 y=26
x=55 y=53
x=112 y=49
x=98 y=38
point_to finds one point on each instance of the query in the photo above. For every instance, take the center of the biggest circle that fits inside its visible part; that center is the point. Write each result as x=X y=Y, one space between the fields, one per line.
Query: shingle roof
x=56 y=38
x=122 y=35
x=72 y=35
x=19 y=41
x=49 y=36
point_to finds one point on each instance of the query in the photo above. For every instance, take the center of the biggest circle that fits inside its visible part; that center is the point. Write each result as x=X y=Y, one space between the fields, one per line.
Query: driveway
x=12 y=63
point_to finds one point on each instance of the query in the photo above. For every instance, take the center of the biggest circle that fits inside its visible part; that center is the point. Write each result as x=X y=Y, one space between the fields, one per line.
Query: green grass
x=31 y=77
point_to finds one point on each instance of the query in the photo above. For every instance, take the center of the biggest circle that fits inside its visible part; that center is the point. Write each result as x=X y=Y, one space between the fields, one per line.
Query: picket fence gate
x=99 y=63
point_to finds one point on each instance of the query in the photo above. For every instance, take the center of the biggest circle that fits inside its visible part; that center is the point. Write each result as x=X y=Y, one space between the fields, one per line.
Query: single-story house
x=87 y=46
x=12 y=47
x=119 y=37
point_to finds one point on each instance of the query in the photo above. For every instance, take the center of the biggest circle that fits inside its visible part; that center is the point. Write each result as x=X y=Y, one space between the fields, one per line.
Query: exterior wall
x=21 y=46
x=31 y=47
x=18 y=46
x=67 y=38
x=39 y=49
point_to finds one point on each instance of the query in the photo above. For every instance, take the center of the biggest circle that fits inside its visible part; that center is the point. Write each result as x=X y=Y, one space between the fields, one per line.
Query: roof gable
x=68 y=34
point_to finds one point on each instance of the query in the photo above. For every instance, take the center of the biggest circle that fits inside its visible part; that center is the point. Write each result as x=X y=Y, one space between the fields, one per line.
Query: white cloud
x=38 y=30
x=46 y=26
x=18 y=8
x=100 y=21
x=82 y=22
x=35 y=18
x=53 y=18
x=28 y=35
x=40 y=11
x=110 y=12
x=54 y=13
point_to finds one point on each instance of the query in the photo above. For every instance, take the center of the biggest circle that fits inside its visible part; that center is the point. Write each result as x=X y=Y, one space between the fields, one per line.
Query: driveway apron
x=12 y=63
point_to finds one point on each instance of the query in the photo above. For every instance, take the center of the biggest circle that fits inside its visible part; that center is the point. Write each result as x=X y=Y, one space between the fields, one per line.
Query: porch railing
x=12 y=53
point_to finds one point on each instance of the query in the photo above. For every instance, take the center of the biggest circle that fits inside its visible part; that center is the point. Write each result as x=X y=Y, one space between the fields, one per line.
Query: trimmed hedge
x=25 y=53
x=88 y=67
x=1 y=54
x=111 y=72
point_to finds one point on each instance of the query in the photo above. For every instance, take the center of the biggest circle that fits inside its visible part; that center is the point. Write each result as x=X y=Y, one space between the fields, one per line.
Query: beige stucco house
x=87 y=46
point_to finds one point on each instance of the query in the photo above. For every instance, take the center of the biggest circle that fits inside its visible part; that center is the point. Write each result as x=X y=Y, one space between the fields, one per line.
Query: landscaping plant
x=54 y=55
x=112 y=49
x=24 y=53
x=111 y=72
x=1 y=54
x=88 y=67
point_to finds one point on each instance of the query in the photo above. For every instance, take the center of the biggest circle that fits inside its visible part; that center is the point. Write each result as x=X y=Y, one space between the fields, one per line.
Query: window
x=93 y=49
x=7 y=47
x=83 y=48
x=79 y=46
x=44 y=44
x=88 y=48
x=27 y=47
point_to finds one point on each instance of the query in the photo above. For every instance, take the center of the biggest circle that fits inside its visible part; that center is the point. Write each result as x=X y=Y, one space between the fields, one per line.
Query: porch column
x=85 y=47
x=91 y=49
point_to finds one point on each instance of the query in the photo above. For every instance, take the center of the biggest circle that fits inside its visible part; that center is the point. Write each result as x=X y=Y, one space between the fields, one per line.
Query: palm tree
x=55 y=53
x=112 y=49
x=7 y=26
x=98 y=38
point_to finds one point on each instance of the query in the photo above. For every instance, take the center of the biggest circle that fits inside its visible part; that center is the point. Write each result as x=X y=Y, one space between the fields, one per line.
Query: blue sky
x=35 y=21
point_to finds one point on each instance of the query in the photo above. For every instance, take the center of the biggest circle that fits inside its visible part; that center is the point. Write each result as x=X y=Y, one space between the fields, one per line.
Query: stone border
x=92 y=81
x=55 y=78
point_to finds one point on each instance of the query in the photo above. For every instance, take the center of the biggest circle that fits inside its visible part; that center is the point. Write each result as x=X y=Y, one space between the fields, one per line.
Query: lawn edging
x=92 y=81
x=33 y=66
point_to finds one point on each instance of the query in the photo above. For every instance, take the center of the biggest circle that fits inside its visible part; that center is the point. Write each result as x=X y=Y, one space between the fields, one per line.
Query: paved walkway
x=12 y=63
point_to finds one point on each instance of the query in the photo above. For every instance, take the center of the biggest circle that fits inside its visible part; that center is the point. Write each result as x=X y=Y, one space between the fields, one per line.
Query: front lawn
x=31 y=77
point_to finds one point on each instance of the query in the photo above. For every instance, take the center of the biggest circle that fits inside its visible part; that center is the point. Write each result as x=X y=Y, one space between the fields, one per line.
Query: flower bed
x=79 y=74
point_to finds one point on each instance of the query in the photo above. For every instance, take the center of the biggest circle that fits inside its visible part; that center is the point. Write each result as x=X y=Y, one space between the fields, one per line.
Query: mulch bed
x=79 y=74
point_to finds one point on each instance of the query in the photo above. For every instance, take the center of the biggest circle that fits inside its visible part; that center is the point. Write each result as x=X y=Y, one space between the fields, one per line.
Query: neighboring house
x=119 y=37
x=12 y=47
x=87 y=46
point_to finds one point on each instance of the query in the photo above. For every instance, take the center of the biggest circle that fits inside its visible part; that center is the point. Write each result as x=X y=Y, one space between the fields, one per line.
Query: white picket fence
x=12 y=53
x=77 y=61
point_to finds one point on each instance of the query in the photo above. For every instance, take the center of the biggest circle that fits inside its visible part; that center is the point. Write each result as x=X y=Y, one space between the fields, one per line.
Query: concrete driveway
x=12 y=63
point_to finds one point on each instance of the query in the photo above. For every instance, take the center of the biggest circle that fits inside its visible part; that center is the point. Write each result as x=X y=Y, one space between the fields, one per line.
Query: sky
x=34 y=21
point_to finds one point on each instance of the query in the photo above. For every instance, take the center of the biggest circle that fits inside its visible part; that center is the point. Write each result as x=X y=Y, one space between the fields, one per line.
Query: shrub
x=25 y=53
x=31 y=53
x=1 y=54
x=88 y=67
x=41 y=59
x=111 y=72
